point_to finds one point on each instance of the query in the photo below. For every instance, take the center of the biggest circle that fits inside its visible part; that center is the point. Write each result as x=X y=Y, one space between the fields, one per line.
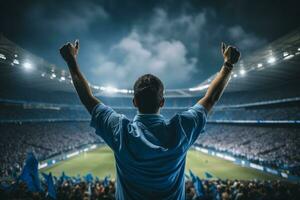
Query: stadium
x=250 y=143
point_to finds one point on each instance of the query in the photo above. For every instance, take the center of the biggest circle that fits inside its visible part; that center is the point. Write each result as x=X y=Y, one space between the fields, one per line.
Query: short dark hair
x=148 y=93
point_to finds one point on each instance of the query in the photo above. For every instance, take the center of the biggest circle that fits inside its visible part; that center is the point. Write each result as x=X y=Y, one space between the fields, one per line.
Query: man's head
x=148 y=94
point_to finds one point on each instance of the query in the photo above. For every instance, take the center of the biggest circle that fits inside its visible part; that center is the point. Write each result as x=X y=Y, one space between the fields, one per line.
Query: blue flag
x=197 y=184
x=186 y=176
x=89 y=178
x=76 y=179
x=198 y=187
x=50 y=185
x=64 y=177
x=208 y=175
x=55 y=179
x=106 y=181
x=30 y=173
x=193 y=176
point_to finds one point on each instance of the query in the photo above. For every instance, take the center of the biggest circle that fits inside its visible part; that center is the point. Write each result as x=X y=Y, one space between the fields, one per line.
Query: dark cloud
x=177 y=40
x=76 y=19
x=172 y=48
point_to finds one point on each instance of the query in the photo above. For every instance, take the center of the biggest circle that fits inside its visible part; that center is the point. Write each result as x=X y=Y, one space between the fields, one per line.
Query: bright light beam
x=199 y=88
x=27 y=66
x=271 y=60
x=242 y=72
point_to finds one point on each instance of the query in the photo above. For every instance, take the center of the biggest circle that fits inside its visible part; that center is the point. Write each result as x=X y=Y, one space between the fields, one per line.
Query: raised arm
x=69 y=53
x=231 y=56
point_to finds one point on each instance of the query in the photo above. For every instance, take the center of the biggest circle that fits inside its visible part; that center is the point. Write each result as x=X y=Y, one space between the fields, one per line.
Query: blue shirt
x=150 y=152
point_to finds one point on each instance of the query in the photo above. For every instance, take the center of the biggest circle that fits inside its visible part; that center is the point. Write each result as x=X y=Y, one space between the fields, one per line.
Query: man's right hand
x=69 y=51
x=230 y=54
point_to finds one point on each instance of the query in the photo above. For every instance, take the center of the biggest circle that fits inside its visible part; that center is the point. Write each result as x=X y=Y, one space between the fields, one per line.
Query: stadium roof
x=274 y=65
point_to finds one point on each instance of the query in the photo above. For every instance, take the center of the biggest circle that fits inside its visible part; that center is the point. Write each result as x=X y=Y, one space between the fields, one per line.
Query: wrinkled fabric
x=150 y=151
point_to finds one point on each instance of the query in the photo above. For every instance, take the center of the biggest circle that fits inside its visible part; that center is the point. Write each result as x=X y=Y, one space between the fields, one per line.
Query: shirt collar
x=148 y=117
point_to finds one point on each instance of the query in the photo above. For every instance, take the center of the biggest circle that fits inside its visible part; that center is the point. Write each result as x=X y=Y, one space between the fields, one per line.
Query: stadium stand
x=46 y=139
x=40 y=112
x=274 y=146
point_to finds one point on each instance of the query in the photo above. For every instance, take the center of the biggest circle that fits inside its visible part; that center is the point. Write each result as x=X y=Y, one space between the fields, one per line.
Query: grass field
x=100 y=162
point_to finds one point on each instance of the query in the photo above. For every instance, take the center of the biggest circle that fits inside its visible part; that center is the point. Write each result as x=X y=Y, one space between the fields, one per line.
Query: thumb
x=223 y=47
x=77 y=44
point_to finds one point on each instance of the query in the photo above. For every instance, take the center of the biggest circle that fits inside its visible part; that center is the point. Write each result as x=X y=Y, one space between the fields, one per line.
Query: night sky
x=120 y=40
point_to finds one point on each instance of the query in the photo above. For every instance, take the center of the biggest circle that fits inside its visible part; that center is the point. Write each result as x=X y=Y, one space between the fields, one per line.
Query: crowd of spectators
x=242 y=97
x=275 y=146
x=46 y=139
x=263 y=113
x=11 y=113
x=20 y=113
x=212 y=190
x=244 y=190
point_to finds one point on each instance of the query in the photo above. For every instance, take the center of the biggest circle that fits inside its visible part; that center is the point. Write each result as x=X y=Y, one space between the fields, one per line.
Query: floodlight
x=15 y=61
x=234 y=75
x=199 y=88
x=96 y=87
x=259 y=65
x=2 y=56
x=110 y=89
x=123 y=91
x=271 y=60
x=288 y=57
x=242 y=72
x=27 y=65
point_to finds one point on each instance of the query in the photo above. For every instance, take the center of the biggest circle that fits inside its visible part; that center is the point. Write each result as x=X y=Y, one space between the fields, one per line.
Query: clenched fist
x=69 y=51
x=231 y=54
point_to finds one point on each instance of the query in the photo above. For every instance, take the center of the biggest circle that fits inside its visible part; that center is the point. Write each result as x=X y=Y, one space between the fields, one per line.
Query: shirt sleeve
x=107 y=123
x=192 y=122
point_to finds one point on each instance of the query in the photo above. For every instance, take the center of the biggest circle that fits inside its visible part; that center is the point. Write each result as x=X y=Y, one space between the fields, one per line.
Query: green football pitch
x=100 y=162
